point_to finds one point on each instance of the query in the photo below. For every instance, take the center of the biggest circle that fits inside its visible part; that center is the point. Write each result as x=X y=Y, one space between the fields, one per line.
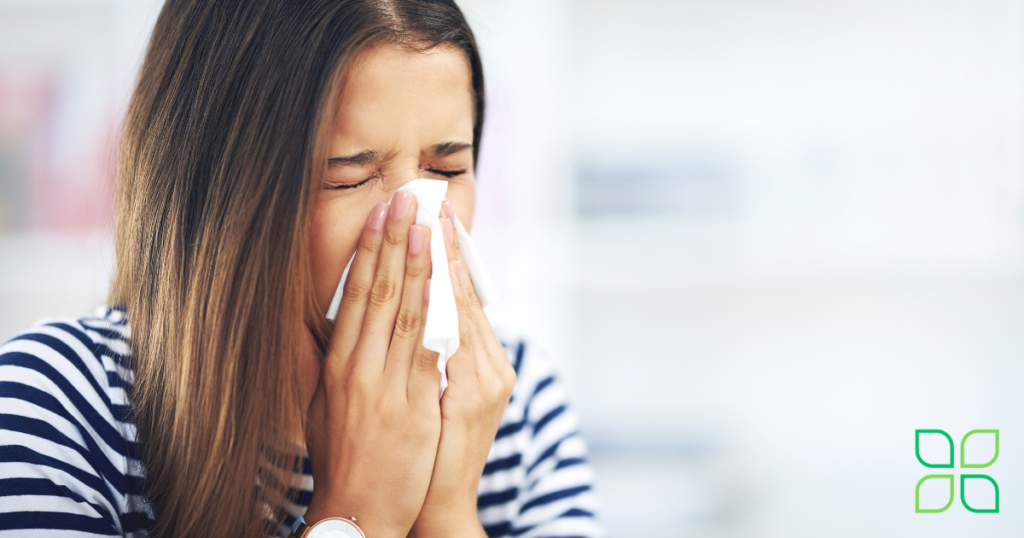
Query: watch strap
x=301 y=530
x=304 y=528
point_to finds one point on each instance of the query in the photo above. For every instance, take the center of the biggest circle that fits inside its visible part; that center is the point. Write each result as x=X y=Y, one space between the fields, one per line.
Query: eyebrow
x=369 y=156
x=445 y=149
x=359 y=159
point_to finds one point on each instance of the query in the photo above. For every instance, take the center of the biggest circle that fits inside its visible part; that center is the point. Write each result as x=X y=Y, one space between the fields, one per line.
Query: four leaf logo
x=950 y=477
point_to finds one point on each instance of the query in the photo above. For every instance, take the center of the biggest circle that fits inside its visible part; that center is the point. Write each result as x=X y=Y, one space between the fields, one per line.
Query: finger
x=472 y=318
x=357 y=287
x=455 y=256
x=386 y=291
x=474 y=301
x=478 y=317
x=463 y=364
x=424 y=377
x=489 y=351
x=411 y=314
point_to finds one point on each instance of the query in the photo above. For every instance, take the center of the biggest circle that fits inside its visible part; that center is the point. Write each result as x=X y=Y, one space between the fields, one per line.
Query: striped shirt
x=69 y=461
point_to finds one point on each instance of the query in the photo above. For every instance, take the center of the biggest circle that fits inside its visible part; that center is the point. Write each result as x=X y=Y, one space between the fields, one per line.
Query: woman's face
x=402 y=115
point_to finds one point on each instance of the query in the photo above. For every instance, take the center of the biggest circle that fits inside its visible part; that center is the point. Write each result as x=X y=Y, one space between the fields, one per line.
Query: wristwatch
x=329 y=527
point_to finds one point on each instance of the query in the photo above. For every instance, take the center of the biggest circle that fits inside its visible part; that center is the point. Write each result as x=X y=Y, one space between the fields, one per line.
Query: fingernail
x=447 y=225
x=415 y=240
x=426 y=292
x=448 y=209
x=378 y=215
x=458 y=270
x=400 y=205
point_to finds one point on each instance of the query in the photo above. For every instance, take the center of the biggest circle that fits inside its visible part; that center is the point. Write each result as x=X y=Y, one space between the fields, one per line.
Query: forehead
x=390 y=90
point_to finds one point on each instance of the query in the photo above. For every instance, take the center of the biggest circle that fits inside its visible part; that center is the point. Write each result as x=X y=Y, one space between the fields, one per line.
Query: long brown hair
x=222 y=149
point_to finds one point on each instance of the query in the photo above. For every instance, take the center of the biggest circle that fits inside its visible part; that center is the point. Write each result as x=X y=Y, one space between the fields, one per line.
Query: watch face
x=334 y=528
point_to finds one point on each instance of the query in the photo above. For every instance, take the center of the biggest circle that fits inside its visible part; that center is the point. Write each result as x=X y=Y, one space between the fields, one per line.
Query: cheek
x=333 y=236
x=463 y=200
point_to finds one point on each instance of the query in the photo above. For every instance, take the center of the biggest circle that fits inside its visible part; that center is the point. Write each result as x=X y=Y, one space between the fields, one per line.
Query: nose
x=396 y=178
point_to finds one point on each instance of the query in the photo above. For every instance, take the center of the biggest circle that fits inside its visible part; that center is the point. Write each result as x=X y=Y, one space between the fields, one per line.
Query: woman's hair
x=223 y=146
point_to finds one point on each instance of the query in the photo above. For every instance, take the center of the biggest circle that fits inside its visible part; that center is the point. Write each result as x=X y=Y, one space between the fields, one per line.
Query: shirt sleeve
x=59 y=447
x=550 y=489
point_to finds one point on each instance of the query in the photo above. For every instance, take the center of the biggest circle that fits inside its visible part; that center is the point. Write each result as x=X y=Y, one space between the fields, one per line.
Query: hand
x=480 y=381
x=374 y=420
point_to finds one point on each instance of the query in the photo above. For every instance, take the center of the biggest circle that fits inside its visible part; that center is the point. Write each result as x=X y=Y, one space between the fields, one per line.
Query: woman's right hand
x=374 y=420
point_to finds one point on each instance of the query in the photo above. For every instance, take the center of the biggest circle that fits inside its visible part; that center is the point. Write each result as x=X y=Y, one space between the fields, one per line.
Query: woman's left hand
x=480 y=381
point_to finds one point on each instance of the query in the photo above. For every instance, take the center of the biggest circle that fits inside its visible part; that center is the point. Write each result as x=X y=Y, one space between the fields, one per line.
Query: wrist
x=448 y=523
x=371 y=525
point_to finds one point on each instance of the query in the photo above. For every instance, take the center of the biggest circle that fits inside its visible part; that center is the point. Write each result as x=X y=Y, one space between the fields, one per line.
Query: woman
x=262 y=143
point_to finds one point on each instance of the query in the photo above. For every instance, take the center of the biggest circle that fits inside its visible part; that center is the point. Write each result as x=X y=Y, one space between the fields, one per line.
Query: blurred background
x=763 y=241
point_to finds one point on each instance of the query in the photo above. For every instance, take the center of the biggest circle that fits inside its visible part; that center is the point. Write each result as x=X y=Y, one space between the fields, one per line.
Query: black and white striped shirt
x=69 y=463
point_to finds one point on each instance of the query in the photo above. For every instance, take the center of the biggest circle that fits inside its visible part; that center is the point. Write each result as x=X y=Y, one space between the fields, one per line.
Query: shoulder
x=539 y=406
x=83 y=362
x=538 y=399
x=67 y=448
x=537 y=479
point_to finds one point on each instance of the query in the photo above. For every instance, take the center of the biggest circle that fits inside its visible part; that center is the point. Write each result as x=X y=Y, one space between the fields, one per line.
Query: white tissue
x=441 y=333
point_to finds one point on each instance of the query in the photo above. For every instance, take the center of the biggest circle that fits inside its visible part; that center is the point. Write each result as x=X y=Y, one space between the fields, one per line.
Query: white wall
x=842 y=265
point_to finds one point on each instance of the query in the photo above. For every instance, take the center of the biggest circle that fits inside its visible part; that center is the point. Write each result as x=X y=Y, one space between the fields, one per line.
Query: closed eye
x=447 y=173
x=349 y=185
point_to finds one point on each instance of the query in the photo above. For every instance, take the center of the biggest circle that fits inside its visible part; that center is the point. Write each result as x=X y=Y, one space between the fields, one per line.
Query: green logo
x=950 y=476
